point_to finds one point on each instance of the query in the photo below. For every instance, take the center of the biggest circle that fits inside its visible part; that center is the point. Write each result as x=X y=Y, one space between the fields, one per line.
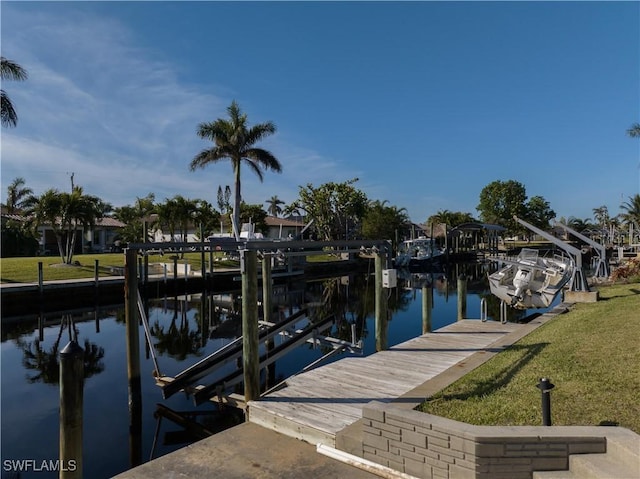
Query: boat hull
x=531 y=282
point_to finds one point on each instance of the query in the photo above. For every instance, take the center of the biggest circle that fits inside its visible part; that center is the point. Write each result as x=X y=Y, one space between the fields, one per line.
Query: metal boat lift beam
x=602 y=270
x=578 y=281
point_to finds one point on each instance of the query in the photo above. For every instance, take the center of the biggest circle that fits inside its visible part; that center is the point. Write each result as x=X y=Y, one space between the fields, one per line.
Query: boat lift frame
x=578 y=280
x=602 y=269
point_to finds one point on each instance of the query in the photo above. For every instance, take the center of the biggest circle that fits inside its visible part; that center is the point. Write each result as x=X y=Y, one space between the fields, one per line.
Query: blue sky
x=425 y=102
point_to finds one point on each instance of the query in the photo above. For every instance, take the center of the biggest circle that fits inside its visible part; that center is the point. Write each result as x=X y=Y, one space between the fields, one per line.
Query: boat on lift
x=417 y=253
x=531 y=281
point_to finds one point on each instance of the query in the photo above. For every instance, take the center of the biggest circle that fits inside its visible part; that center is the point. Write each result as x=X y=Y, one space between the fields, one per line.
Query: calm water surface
x=184 y=330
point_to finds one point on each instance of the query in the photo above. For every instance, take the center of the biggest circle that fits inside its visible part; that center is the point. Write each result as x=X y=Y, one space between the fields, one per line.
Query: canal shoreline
x=241 y=451
x=21 y=299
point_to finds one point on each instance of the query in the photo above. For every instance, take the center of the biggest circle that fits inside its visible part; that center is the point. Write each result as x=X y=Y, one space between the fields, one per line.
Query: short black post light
x=545 y=387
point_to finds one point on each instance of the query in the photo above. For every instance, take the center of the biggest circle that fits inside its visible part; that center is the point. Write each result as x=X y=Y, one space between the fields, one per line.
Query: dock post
x=267 y=286
x=96 y=272
x=132 y=342
x=462 y=297
x=427 y=308
x=381 y=303
x=250 y=344
x=267 y=295
x=71 y=398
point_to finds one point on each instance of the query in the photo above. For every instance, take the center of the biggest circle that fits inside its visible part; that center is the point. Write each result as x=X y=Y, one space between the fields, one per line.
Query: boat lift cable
x=147 y=332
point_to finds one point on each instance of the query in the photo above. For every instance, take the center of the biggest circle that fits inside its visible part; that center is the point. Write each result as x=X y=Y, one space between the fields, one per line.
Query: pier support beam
x=250 y=356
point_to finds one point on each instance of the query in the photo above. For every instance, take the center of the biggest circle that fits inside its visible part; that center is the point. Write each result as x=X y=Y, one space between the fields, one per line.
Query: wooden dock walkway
x=315 y=405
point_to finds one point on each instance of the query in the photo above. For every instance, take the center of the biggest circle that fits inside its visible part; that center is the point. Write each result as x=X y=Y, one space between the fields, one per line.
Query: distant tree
x=381 y=221
x=450 y=218
x=17 y=194
x=253 y=214
x=579 y=225
x=601 y=216
x=292 y=209
x=66 y=214
x=634 y=131
x=9 y=70
x=500 y=201
x=336 y=208
x=205 y=217
x=538 y=212
x=235 y=141
x=175 y=215
x=223 y=199
x=134 y=216
x=631 y=212
x=274 y=208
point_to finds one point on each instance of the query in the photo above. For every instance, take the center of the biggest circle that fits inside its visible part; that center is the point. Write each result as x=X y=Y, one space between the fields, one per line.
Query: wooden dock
x=315 y=405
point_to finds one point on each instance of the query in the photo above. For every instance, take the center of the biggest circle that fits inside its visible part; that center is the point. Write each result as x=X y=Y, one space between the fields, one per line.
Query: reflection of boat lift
x=215 y=391
x=578 y=281
x=602 y=269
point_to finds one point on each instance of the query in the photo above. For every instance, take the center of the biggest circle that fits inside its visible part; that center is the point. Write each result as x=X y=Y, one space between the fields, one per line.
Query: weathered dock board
x=316 y=405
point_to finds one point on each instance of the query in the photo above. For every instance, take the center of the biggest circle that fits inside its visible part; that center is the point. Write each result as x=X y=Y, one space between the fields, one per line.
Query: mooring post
x=462 y=297
x=71 y=398
x=250 y=355
x=132 y=329
x=381 y=303
x=96 y=272
x=427 y=307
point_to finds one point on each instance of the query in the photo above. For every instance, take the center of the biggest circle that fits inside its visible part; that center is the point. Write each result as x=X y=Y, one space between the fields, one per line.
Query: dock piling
x=250 y=353
x=381 y=311
x=427 y=308
x=71 y=398
x=462 y=297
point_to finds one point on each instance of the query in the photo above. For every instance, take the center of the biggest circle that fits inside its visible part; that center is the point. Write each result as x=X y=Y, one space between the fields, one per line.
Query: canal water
x=184 y=330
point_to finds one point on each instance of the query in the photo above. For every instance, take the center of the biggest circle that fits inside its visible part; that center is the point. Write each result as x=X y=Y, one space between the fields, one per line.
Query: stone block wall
x=427 y=446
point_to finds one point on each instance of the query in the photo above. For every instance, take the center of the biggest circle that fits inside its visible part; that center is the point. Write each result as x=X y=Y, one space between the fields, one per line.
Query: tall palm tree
x=235 y=141
x=10 y=70
x=17 y=194
x=274 y=205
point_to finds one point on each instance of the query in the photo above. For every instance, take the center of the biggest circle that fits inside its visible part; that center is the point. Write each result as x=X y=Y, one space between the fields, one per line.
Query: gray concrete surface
x=246 y=451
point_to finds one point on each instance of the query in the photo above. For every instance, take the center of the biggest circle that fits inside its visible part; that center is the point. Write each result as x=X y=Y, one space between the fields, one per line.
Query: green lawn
x=591 y=354
x=25 y=270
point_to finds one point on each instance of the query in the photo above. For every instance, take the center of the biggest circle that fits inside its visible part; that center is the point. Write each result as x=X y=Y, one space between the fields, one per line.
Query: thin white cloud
x=117 y=117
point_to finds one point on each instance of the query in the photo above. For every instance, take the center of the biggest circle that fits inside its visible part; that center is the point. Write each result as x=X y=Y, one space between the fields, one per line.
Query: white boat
x=531 y=281
x=417 y=252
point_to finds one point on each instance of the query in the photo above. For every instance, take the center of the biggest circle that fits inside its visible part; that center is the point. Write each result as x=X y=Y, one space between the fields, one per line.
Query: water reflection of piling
x=71 y=397
x=462 y=297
